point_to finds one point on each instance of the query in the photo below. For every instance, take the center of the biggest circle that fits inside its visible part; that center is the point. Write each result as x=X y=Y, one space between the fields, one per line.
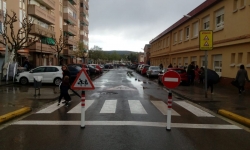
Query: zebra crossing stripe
x=77 y=108
x=109 y=106
x=163 y=108
x=50 y=109
x=194 y=110
x=136 y=107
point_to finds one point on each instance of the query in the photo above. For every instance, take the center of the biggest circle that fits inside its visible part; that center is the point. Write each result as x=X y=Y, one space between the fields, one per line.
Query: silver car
x=153 y=71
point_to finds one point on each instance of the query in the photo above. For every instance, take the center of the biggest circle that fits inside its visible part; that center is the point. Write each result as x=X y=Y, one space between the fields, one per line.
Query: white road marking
x=171 y=79
x=109 y=106
x=121 y=87
x=77 y=108
x=136 y=107
x=163 y=108
x=196 y=111
x=129 y=123
x=50 y=108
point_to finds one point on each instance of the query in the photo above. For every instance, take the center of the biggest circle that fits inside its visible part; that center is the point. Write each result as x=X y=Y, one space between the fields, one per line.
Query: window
x=219 y=18
x=240 y=55
x=242 y=3
x=235 y=5
x=187 y=33
x=248 y=59
x=185 y=61
x=179 y=61
x=51 y=69
x=175 y=38
x=81 y=4
x=40 y=69
x=180 y=35
x=195 y=29
x=232 y=60
x=194 y=59
x=167 y=41
x=206 y=23
x=217 y=64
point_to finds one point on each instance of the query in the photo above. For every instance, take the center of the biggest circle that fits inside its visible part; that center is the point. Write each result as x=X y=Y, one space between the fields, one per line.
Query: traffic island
x=14 y=114
x=235 y=117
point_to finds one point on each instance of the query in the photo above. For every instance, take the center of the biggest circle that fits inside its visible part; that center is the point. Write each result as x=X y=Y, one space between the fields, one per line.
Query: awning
x=49 y=41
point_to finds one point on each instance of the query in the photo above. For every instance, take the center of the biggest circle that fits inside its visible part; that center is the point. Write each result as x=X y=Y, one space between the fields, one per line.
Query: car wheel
x=57 y=81
x=24 y=81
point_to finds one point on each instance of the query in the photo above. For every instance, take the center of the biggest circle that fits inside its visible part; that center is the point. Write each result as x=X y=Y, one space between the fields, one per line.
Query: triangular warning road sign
x=206 y=44
x=206 y=38
x=82 y=82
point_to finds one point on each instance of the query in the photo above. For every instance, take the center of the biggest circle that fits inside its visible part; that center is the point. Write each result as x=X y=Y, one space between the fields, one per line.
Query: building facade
x=230 y=23
x=51 y=18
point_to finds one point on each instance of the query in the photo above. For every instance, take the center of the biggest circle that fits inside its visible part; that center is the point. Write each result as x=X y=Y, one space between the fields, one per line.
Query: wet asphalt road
x=122 y=113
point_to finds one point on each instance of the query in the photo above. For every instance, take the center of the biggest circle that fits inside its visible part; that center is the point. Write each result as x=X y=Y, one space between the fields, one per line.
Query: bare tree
x=20 y=39
x=81 y=50
x=60 y=44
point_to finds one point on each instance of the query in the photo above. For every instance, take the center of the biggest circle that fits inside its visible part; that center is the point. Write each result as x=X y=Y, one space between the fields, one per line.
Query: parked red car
x=144 y=69
x=97 y=67
x=181 y=72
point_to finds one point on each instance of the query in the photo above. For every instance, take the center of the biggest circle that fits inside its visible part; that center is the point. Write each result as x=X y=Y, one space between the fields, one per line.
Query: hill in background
x=120 y=52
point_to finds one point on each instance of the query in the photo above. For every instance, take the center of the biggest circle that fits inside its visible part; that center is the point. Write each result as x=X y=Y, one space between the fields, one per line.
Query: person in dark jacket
x=65 y=71
x=64 y=88
x=191 y=73
x=241 y=77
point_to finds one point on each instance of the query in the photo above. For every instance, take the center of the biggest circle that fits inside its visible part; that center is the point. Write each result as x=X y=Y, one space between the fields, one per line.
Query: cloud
x=130 y=24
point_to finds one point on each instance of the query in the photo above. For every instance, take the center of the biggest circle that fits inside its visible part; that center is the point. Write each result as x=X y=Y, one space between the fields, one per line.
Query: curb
x=234 y=117
x=14 y=114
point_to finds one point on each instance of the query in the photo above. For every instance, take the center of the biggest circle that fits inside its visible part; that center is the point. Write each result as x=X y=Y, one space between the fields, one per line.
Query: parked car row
x=53 y=74
x=155 y=71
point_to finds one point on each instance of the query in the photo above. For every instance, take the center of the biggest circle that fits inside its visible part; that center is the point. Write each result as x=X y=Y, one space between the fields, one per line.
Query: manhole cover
x=240 y=108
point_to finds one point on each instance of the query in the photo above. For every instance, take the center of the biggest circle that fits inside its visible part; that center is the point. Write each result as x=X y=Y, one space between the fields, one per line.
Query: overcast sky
x=130 y=24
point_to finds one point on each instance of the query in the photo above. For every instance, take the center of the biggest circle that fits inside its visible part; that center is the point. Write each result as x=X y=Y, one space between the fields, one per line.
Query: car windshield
x=155 y=68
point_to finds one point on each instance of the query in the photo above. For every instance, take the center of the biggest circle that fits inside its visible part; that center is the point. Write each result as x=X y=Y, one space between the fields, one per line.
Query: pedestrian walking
x=241 y=77
x=201 y=75
x=161 y=66
x=170 y=66
x=64 y=88
x=65 y=72
x=191 y=73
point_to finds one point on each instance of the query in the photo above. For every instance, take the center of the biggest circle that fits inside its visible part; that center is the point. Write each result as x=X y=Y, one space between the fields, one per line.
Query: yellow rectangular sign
x=206 y=40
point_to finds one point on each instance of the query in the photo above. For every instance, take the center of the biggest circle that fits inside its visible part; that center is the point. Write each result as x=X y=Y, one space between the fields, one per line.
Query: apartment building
x=229 y=20
x=51 y=18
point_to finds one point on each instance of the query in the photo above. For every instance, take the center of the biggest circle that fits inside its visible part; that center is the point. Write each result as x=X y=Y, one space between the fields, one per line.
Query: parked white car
x=50 y=74
x=153 y=71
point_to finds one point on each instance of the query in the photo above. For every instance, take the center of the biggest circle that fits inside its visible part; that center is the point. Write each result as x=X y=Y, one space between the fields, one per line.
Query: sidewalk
x=224 y=97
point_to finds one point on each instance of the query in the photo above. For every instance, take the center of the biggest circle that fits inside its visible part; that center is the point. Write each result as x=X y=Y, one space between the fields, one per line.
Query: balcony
x=36 y=47
x=86 y=3
x=68 y=4
x=70 y=30
x=74 y=2
x=41 y=31
x=48 y=3
x=68 y=52
x=1 y=15
x=71 y=41
x=69 y=18
x=84 y=21
x=40 y=13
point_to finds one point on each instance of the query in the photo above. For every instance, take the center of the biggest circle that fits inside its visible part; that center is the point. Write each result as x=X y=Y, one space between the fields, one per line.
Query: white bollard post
x=83 y=110
x=169 y=111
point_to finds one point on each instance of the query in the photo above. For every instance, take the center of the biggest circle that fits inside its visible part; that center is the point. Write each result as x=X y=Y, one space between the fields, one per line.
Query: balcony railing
x=69 y=18
x=41 y=31
x=48 y=3
x=40 y=13
x=74 y=2
x=36 y=47
x=71 y=41
x=68 y=4
x=70 y=29
x=68 y=52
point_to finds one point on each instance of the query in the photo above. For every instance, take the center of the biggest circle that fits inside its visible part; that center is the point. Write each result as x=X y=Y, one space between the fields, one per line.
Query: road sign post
x=82 y=82
x=171 y=79
x=206 y=43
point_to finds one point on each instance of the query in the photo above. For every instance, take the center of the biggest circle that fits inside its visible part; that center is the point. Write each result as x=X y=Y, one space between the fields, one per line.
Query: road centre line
x=129 y=123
